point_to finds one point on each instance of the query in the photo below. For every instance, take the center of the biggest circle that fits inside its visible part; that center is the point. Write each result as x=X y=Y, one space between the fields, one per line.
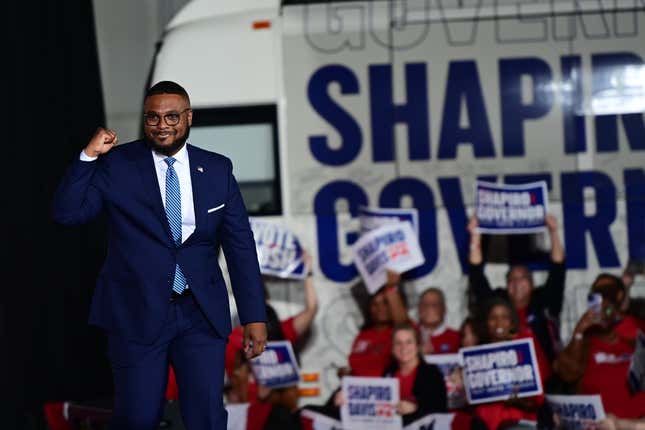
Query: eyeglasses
x=172 y=118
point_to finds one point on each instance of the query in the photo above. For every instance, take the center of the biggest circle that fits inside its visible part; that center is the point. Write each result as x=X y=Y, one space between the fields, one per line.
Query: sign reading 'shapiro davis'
x=496 y=371
x=393 y=246
x=370 y=403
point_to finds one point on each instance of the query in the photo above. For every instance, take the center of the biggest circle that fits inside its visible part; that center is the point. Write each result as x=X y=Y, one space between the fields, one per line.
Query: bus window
x=248 y=136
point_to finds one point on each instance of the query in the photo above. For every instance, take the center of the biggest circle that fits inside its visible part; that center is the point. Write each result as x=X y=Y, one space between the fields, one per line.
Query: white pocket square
x=215 y=208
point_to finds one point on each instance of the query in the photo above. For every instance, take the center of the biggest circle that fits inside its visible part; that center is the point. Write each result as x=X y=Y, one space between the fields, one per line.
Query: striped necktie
x=173 y=213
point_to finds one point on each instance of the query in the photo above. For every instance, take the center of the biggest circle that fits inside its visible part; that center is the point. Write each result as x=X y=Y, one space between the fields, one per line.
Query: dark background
x=48 y=350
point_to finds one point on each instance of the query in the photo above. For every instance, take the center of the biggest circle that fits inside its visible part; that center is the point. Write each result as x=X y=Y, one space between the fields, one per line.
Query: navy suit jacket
x=133 y=289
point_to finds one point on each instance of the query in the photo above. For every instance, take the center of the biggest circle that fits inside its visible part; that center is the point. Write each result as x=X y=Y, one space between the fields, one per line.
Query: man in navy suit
x=160 y=295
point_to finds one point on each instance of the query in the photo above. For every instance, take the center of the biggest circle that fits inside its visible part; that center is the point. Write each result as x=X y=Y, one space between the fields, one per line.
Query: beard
x=169 y=149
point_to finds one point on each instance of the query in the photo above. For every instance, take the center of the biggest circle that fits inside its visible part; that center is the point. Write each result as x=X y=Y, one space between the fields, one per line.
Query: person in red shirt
x=422 y=390
x=598 y=356
x=436 y=338
x=372 y=346
x=500 y=323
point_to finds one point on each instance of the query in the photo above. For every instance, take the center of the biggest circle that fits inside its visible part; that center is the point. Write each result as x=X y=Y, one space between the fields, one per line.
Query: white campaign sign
x=237 y=416
x=577 y=412
x=370 y=403
x=373 y=218
x=393 y=246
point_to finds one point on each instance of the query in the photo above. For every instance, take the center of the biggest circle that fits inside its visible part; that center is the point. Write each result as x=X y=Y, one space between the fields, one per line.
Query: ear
x=190 y=118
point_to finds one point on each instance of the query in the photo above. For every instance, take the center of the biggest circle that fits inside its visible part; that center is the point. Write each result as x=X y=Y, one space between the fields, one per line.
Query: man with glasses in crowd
x=160 y=295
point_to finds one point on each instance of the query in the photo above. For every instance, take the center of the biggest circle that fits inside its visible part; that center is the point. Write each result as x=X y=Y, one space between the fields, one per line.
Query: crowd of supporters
x=390 y=343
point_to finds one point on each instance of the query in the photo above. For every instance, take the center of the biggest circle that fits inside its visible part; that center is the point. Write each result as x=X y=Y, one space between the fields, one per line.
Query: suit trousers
x=140 y=372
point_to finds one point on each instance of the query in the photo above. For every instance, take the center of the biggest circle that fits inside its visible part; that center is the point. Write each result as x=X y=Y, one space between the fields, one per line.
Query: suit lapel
x=150 y=188
x=198 y=183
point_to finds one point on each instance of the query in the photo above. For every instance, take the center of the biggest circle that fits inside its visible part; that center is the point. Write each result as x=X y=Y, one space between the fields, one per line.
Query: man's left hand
x=255 y=339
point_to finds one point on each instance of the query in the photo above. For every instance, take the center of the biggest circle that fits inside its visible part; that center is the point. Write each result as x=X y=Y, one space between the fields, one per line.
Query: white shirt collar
x=181 y=156
x=438 y=331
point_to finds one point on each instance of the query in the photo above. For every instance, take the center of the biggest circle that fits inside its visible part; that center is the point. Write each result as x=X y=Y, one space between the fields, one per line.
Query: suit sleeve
x=241 y=258
x=79 y=197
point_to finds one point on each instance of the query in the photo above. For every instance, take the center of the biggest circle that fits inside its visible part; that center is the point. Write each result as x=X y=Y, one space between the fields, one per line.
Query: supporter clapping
x=598 y=356
x=538 y=308
x=436 y=338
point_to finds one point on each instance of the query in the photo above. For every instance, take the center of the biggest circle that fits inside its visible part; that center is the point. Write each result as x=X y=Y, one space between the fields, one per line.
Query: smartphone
x=594 y=302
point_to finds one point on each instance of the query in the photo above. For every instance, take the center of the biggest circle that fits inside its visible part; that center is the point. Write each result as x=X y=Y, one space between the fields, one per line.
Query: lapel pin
x=200 y=169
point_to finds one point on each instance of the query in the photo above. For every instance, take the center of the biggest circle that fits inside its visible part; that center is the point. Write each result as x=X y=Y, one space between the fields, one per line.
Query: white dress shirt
x=182 y=168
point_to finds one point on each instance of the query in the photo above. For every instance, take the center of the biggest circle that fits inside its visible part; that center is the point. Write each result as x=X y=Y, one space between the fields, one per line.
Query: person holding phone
x=597 y=358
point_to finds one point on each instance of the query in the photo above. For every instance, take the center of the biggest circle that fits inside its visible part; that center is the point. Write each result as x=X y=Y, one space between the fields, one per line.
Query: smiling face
x=161 y=109
x=520 y=286
x=404 y=347
x=432 y=309
x=499 y=323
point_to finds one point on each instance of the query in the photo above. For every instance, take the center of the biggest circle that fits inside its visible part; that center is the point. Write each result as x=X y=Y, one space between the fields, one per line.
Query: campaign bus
x=327 y=107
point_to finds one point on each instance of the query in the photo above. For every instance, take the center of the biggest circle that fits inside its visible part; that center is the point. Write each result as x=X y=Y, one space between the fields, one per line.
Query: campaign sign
x=432 y=422
x=279 y=251
x=576 y=412
x=370 y=403
x=311 y=420
x=511 y=209
x=393 y=246
x=237 y=414
x=277 y=366
x=498 y=370
x=452 y=369
x=373 y=218
x=637 y=366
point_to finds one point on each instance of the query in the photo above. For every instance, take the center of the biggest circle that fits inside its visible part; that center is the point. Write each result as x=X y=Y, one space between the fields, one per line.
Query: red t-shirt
x=543 y=362
x=606 y=374
x=444 y=340
x=496 y=413
x=371 y=352
x=406 y=384
x=523 y=320
x=628 y=327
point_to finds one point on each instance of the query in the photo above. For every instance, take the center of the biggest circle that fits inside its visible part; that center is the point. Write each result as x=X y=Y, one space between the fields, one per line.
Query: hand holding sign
x=511 y=209
x=394 y=247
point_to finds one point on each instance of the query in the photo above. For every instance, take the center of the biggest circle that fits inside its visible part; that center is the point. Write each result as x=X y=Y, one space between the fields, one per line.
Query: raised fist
x=102 y=141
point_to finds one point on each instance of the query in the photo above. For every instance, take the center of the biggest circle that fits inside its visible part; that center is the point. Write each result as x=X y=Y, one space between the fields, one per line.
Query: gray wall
x=126 y=33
